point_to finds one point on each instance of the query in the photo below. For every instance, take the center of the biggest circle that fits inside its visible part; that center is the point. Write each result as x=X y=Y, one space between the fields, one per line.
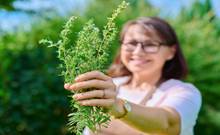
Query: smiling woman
x=143 y=90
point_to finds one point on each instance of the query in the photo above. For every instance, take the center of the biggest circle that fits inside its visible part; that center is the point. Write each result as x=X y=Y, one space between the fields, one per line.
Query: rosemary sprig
x=89 y=52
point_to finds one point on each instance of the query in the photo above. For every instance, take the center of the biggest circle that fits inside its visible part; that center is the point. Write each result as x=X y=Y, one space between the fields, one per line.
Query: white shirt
x=183 y=97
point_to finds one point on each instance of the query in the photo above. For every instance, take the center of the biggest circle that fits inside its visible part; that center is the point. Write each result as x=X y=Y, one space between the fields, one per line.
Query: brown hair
x=175 y=68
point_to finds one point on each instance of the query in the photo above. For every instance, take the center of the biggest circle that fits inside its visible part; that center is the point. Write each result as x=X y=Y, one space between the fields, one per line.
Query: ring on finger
x=103 y=95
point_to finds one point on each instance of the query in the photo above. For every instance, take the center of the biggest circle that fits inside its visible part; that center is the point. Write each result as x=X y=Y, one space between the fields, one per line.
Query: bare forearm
x=147 y=119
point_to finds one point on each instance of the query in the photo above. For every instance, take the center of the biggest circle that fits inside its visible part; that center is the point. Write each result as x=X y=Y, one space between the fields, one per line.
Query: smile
x=139 y=61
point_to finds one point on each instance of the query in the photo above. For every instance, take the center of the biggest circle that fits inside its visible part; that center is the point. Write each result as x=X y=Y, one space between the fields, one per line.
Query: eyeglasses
x=147 y=46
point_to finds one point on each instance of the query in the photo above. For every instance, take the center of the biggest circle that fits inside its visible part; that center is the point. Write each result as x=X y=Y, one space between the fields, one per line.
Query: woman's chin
x=138 y=69
x=139 y=66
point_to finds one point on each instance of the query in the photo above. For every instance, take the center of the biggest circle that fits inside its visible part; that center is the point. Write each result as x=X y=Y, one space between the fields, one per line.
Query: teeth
x=139 y=61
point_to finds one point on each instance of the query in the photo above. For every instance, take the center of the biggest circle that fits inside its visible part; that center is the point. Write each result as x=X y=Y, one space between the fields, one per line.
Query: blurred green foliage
x=32 y=99
x=198 y=29
x=7 y=4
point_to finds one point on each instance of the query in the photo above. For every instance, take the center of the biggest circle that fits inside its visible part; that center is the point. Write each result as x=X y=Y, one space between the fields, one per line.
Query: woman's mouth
x=139 y=61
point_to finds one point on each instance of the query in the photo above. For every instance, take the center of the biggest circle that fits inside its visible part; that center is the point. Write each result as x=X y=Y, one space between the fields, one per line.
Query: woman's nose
x=138 y=49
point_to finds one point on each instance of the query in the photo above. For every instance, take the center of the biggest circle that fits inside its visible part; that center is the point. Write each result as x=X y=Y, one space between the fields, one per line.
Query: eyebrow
x=142 y=41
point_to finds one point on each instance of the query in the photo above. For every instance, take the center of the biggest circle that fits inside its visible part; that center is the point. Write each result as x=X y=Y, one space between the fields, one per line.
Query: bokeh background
x=32 y=98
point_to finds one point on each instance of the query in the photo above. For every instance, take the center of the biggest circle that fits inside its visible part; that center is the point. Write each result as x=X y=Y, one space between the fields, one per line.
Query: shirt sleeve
x=187 y=102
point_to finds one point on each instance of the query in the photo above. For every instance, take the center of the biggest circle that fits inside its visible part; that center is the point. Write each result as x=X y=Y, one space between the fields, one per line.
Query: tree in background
x=198 y=29
x=6 y=4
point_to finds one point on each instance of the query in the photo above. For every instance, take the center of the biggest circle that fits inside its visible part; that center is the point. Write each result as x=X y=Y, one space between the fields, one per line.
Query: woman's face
x=143 y=62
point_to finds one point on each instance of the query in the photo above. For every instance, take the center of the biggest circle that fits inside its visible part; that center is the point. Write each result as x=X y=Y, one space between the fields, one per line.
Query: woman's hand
x=104 y=93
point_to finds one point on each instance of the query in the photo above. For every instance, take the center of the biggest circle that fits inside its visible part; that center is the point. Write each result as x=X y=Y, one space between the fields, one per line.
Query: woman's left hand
x=104 y=93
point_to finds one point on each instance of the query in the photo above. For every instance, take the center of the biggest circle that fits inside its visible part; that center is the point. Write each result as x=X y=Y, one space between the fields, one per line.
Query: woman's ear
x=172 y=52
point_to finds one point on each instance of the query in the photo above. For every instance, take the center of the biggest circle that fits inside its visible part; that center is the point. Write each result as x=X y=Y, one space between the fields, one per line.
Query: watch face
x=127 y=106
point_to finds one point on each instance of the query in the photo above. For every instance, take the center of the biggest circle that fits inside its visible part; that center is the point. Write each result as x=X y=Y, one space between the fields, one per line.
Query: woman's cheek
x=159 y=63
x=124 y=58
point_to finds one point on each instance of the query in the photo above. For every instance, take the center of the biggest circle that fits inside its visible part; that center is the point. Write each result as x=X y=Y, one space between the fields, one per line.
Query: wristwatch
x=127 y=108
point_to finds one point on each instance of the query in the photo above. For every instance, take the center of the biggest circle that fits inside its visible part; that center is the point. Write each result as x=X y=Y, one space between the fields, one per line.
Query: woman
x=143 y=89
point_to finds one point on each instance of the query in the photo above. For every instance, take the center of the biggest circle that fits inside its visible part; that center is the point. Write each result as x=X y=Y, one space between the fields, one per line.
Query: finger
x=97 y=102
x=92 y=75
x=109 y=94
x=89 y=94
x=91 y=84
x=67 y=86
x=95 y=94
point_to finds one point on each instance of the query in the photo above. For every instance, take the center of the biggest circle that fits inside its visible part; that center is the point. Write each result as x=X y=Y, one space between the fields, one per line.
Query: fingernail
x=66 y=85
x=75 y=97
x=76 y=79
x=72 y=87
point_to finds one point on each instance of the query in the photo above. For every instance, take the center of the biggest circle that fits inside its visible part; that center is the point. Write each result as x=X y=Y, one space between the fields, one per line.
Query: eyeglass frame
x=159 y=44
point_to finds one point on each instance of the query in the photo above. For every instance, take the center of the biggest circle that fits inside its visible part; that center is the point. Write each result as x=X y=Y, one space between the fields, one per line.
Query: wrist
x=120 y=108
